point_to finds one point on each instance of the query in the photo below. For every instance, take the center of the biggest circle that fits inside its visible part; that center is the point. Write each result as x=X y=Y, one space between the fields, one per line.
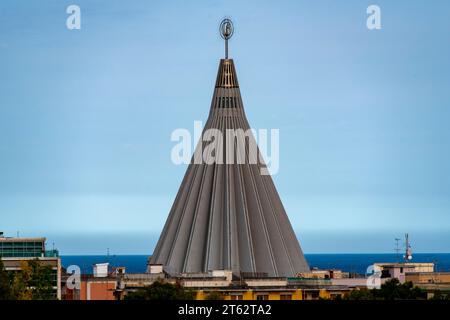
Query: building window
x=236 y=297
x=312 y=295
x=262 y=297
x=285 y=297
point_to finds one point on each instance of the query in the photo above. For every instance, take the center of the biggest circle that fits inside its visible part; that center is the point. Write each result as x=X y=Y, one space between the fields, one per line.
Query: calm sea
x=357 y=263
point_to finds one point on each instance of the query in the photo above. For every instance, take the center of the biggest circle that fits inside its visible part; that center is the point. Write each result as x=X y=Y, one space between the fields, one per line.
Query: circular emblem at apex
x=226 y=29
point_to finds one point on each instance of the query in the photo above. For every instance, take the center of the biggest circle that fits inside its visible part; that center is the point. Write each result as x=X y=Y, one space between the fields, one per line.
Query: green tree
x=360 y=294
x=20 y=288
x=161 y=291
x=439 y=295
x=5 y=283
x=390 y=290
x=214 y=295
x=41 y=281
x=394 y=290
x=33 y=282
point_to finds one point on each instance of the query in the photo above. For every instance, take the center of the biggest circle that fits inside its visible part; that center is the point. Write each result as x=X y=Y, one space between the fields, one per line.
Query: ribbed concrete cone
x=228 y=216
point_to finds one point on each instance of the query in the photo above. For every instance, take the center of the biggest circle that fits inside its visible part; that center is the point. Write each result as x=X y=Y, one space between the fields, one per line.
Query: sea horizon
x=347 y=262
x=312 y=253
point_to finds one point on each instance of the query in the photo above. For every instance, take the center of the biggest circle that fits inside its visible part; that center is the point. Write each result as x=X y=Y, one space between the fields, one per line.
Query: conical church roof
x=228 y=216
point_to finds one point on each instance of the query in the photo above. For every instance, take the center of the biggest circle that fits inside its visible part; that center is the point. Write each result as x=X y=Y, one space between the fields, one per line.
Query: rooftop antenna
x=226 y=30
x=397 y=248
x=408 y=250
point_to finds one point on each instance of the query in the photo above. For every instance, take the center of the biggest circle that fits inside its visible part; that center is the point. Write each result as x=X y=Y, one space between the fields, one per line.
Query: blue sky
x=86 y=116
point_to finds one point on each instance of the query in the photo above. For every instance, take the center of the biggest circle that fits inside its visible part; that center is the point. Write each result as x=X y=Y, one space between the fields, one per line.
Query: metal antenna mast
x=397 y=248
x=408 y=251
